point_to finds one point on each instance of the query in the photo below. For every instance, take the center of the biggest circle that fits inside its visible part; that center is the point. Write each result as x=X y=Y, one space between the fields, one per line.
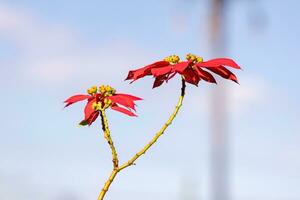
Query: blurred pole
x=219 y=106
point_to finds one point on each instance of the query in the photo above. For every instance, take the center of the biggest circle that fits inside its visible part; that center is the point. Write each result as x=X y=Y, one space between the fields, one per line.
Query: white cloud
x=54 y=54
x=253 y=90
x=30 y=33
x=239 y=98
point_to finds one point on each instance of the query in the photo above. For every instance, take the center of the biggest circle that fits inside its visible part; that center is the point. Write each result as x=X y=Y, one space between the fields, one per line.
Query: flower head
x=192 y=70
x=99 y=99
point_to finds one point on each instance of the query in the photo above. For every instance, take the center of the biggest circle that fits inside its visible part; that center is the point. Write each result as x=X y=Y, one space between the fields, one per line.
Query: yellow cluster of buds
x=92 y=90
x=102 y=105
x=194 y=58
x=174 y=59
x=107 y=103
x=107 y=90
x=97 y=106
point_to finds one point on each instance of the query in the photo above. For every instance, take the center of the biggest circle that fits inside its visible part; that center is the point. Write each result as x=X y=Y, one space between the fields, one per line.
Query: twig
x=131 y=161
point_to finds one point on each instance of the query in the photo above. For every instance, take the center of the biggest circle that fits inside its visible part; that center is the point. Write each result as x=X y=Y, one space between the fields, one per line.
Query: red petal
x=123 y=110
x=160 y=64
x=219 y=61
x=161 y=71
x=88 y=110
x=181 y=66
x=134 y=98
x=130 y=74
x=225 y=73
x=144 y=71
x=76 y=98
x=91 y=119
x=159 y=81
x=191 y=76
x=122 y=100
x=171 y=76
x=205 y=75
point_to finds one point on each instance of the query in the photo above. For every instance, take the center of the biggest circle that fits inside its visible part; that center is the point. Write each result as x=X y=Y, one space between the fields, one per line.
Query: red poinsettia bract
x=192 y=70
x=102 y=99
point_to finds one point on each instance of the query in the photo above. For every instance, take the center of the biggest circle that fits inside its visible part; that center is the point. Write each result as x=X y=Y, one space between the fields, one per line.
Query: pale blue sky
x=50 y=50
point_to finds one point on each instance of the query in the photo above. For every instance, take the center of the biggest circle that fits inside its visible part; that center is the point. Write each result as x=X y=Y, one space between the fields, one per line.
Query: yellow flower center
x=97 y=106
x=173 y=59
x=194 y=58
x=199 y=59
x=92 y=90
x=107 y=103
x=107 y=90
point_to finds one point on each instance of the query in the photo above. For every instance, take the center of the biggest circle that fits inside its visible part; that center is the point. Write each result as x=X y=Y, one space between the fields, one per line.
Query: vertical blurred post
x=219 y=106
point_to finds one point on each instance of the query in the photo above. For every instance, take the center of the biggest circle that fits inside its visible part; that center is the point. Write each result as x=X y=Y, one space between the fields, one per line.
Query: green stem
x=131 y=161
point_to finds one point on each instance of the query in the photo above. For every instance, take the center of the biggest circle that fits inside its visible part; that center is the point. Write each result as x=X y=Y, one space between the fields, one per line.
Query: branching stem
x=131 y=161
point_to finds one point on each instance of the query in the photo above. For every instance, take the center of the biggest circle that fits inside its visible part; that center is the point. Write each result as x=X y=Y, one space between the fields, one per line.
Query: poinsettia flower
x=192 y=70
x=214 y=65
x=101 y=99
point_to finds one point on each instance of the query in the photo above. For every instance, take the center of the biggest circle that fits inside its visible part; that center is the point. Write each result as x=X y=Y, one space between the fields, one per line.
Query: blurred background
x=229 y=141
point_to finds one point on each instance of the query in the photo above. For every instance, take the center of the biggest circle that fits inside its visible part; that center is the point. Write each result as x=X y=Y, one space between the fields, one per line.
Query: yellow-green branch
x=130 y=162
x=107 y=184
x=159 y=133
x=107 y=136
